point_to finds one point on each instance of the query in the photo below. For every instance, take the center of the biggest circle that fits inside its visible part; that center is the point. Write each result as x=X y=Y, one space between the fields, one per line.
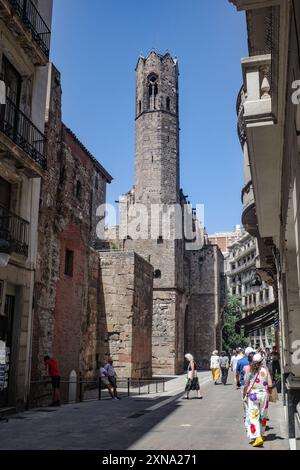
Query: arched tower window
x=153 y=90
x=140 y=107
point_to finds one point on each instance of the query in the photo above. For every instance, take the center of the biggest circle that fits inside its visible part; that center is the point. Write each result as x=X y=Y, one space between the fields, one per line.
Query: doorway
x=6 y=334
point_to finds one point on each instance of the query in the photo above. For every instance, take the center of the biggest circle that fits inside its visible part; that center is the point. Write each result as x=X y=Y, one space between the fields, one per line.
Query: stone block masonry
x=126 y=288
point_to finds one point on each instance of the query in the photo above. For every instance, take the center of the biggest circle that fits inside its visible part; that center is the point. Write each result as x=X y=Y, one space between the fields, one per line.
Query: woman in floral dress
x=258 y=384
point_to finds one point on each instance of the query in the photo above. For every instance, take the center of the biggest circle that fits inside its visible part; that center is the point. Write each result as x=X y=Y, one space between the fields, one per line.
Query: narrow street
x=157 y=422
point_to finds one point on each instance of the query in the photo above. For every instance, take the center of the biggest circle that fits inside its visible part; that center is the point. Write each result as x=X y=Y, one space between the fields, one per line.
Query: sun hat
x=249 y=350
x=257 y=358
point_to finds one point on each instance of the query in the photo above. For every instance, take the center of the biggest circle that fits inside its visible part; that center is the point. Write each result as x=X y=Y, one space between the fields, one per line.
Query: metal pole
x=156 y=386
x=80 y=388
x=164 y=385
x=99 y=389
x=139 y=387
x=148 y=388
x=128 y=386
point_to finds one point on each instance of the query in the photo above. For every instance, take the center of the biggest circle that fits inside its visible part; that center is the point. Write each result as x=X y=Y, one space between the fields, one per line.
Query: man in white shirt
x=234 y=360
x=112 y=376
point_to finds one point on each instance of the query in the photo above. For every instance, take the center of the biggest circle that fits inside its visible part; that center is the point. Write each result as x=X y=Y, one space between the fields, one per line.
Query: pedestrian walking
x=215 y=366
x=233 y=362
x=112 y=377
x=269 y=359
x=224 y=365
x=105 y=381
x=276 y=369
x=258 y=386
x=54 y=373
x=192 y=377
x=241 y=364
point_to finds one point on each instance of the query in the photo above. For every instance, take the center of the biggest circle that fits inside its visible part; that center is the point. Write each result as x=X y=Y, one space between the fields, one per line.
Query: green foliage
x=232 y=313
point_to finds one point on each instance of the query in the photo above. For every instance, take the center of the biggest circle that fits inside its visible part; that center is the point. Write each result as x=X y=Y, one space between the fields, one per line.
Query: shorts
x=105 y=381
x=55 y=382
x=113 y=381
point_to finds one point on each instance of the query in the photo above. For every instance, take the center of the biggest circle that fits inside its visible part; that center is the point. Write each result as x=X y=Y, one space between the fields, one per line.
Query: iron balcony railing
x=23 y=132
x=30 y=15
x=15 y=230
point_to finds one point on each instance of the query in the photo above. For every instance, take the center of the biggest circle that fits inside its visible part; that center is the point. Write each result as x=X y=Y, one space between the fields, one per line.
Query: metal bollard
x=128 y=386
x=148 y=388
x=80 y=388
x=99 y=389
x=164 y=389
x=139 y=387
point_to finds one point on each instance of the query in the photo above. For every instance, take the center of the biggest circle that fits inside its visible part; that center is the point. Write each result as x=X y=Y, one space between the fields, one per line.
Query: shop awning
x=266 y=316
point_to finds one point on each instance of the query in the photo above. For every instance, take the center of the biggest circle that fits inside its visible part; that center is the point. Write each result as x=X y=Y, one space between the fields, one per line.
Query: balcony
x=15 y=230
x=19 y=129
x=241 y=127
x=29 y=27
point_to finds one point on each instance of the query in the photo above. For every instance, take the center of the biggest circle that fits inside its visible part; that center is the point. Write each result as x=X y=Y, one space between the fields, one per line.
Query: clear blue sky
x=96 y=44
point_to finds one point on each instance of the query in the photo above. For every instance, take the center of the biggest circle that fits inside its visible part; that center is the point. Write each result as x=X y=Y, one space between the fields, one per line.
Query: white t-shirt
x=215 y=362
x=102 y=372
x=234 y=361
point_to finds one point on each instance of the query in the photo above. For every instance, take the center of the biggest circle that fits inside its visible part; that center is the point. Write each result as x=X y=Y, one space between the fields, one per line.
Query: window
x=267 y=294
x=12 y=80
x=78 y=190
x=261 y=296
x=140 y=107
x=153 y=90
x=96 y=182
x=157 y=274
x=69 y=261
x=168 y=102
x=5 y=193
x=160 y=240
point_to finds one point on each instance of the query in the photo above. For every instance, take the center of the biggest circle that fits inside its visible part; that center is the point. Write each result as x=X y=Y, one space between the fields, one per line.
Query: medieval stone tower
x=157 y=184
x=157 y=130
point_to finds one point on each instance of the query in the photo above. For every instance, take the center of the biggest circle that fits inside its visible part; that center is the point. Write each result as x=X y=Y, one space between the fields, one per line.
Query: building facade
x=225 y=239
x=269 y=124
x=74 y=185
x=25 y=32
x=241 y=268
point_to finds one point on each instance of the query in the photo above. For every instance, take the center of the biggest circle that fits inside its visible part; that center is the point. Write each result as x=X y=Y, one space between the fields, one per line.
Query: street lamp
x=5 y=251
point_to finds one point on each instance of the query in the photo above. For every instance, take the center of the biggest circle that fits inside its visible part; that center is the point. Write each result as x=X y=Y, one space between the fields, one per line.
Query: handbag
x=250 y=388
x=273 y=397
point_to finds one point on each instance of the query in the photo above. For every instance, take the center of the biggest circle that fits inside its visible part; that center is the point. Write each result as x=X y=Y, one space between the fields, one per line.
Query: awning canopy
x=266 y=316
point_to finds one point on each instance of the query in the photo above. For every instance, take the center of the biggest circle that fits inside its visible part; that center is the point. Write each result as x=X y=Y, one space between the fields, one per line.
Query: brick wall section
x=71 y=293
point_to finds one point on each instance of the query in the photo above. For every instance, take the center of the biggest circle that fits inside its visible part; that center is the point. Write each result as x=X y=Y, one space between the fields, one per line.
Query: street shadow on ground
x=274 y=437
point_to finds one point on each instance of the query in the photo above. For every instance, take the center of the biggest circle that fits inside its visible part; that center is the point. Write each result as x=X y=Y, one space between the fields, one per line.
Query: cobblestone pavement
x=155 y=422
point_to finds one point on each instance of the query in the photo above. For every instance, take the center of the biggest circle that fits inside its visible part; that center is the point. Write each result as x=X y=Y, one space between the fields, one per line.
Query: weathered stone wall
x=125 y=285
x=157 y=183
x=157 y=129
x=74 y=185
x=206 y=302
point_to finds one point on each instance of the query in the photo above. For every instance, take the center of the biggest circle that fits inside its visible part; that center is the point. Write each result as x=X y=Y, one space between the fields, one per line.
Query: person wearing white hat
x=240 y=367
x=258 y=384
x=192 y=377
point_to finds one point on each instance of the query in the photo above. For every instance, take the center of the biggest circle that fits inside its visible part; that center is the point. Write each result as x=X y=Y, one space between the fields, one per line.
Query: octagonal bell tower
x=157 y=130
